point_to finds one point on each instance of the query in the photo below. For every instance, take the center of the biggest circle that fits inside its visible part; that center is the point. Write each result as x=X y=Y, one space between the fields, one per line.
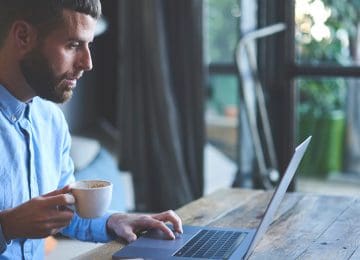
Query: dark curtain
x=161 y=100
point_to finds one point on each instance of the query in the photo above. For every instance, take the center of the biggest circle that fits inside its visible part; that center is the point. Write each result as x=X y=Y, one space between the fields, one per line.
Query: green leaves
x=321 y=96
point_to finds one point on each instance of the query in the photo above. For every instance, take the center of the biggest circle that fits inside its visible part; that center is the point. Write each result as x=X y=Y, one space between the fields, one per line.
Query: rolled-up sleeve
x=89 y=229
x=93 y=230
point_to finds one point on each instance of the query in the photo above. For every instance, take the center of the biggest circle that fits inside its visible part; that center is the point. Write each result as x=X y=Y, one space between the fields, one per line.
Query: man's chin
x=65 y=97
x=59 y=98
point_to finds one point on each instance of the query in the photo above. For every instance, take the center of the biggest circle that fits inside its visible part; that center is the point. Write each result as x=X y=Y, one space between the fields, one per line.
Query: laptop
x=205 y=242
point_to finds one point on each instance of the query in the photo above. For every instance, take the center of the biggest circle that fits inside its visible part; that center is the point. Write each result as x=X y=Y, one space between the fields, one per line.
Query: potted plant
x=321 y=114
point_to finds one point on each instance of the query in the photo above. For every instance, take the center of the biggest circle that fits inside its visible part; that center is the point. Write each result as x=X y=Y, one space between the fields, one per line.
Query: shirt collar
x=12 y=108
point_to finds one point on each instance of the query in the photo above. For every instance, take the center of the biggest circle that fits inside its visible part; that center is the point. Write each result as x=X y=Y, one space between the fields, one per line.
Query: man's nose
x=85 y=61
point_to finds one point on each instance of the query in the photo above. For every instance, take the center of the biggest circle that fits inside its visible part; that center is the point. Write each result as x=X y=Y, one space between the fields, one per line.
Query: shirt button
x=13 y=118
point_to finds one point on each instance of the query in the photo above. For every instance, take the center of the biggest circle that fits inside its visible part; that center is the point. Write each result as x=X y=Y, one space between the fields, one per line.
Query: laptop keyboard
x=211 y=244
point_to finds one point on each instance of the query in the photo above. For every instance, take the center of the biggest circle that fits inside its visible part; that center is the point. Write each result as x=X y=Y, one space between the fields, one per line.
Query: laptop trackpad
x=154 y=245
x=157 y=239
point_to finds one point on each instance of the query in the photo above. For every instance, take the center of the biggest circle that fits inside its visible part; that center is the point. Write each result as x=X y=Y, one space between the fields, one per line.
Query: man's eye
x=74 y=45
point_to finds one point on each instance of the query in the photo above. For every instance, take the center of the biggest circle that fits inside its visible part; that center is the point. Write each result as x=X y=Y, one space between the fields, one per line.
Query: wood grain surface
x=306 y=226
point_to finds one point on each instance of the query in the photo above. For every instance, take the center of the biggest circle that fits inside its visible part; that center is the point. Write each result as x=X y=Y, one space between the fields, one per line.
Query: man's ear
x=24 y=35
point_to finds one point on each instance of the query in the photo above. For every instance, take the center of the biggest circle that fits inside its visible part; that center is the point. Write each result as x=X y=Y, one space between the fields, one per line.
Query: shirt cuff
x=99 y=229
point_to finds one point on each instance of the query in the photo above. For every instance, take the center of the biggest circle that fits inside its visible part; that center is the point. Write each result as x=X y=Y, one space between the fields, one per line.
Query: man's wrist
x=4 y=219
x=3 y=241
x=109 y=230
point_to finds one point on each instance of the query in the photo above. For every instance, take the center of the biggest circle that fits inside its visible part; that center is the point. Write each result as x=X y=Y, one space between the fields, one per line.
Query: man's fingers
x=126 y=225
x=172 y=217
x=56 y=226
x=60 y=214
x=69 y=198
x=60 y=224
x=128 y=234
x=65 y=209
x=161 y=225
x=60 y=200
x=63 y=199
x=64 y=190
x=153 y=223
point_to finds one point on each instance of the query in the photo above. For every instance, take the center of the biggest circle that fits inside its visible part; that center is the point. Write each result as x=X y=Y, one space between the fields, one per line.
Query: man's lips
x=71 y=82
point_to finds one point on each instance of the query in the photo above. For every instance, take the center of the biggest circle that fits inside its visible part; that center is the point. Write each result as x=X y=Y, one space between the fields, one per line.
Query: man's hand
x=127 y=225
x=39 y=217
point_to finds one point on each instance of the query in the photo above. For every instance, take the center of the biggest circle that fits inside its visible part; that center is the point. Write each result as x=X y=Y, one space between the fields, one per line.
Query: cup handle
x=71 y=206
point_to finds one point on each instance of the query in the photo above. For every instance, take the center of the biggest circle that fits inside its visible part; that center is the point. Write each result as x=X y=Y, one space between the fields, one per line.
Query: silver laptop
x=205 y=242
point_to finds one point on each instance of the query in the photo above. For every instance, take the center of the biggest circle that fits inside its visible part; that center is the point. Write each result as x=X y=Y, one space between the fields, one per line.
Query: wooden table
x=307 y=226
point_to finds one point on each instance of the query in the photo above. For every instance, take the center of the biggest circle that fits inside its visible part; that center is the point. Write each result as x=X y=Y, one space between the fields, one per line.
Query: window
x=221 y=36
x=327 y=58
x=311 y=77
x=327 y=32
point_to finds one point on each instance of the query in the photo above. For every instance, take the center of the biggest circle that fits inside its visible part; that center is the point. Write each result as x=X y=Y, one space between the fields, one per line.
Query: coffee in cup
x=92 y=197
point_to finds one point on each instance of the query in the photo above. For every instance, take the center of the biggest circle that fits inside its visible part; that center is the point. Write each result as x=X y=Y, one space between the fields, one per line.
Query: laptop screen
x=279 y=194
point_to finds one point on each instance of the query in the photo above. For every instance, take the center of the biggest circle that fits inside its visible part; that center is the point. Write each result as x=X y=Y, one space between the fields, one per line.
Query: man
x=44 y=50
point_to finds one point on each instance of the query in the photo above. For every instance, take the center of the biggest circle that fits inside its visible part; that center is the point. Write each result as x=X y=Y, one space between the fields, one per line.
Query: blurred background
x=174 y=82
x=194 y=95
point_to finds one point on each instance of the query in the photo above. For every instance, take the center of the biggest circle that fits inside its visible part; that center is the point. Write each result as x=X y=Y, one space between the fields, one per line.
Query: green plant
x=321 y=96
x=321 y=114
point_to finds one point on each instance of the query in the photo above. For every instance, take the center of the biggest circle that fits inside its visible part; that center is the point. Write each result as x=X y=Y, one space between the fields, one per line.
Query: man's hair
x=45 y=15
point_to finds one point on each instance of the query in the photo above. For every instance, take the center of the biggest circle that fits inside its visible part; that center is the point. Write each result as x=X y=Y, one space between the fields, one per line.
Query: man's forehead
x=78 y=25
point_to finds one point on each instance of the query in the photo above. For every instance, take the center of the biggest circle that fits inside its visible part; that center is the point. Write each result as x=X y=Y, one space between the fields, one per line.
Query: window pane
x=221 y=113
x=328 y=109
x=221 y=30
x=224 y=94
x=328 y=31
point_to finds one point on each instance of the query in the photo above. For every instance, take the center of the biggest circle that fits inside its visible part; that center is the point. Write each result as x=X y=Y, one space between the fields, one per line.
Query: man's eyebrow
x=80 y=40
x=81 y=43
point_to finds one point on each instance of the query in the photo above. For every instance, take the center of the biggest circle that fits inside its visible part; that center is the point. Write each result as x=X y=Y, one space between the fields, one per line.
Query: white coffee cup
x=92 y=197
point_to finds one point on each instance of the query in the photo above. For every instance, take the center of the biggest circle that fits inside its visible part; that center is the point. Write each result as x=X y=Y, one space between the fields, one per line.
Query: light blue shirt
x=35 y=145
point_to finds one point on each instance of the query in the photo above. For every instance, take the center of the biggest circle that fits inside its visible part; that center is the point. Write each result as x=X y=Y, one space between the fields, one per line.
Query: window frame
x=291 y=70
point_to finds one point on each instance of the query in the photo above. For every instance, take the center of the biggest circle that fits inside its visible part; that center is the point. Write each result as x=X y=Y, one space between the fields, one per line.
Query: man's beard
x=41 y=78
